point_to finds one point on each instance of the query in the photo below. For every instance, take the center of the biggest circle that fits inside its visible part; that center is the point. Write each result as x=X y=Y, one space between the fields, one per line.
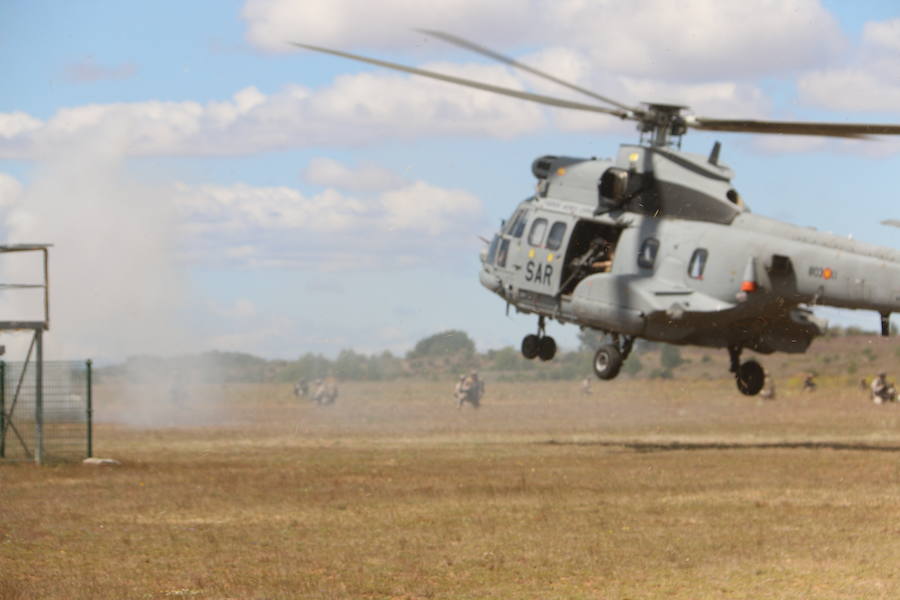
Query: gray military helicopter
x=657 y=244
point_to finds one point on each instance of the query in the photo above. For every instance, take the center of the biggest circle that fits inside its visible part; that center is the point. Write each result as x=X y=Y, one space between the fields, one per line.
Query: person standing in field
x=469 y=389
x=586 y=386
x=883 y=390
x=768 y=391
x=809 y=382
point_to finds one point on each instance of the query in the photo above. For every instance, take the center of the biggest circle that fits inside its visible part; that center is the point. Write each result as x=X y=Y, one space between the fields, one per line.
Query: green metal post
x=39 y=397
x=2 y=408
x=90 y=411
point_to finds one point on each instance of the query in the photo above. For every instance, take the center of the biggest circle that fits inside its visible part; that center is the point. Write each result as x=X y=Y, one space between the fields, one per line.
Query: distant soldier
x=324 y=391
x=883 y=390
x=864 y=385
x=768 y=390
x=809 y=382
x=586 y=386
x=301 y=388
x=469 y=389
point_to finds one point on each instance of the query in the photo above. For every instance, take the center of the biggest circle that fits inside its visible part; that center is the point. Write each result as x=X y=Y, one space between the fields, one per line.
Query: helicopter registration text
x=538 y=273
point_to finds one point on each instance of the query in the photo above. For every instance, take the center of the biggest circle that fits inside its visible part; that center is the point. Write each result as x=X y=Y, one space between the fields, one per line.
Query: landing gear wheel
x=750 y=378
x=607 y=362
x=531 y=345
x=547 y=348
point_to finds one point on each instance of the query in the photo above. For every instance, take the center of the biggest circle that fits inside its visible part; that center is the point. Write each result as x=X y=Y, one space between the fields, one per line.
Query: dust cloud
x=118 y=287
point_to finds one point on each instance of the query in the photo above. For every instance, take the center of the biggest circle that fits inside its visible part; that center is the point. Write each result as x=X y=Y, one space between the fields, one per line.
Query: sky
x=208 y=186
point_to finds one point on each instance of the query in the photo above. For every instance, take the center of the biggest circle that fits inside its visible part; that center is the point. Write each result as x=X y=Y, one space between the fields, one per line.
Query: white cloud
x=121 y=249
x=423 y=208
x=280 y=227
x=852 y=89
x=709 y=99
x=272 y=24
x=365 y=178
x=696 y=39
x=356 y=109
x=884 y=34
x=17 y=124
x=869 y=80
x=10 y=190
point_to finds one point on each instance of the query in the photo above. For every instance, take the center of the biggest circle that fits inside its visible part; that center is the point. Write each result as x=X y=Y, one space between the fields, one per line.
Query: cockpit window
x=516 y=225
x=503 y=253
x=698 y=263
x=557 y=233
x=538 y=229
x=647 y=255
x=492 y=251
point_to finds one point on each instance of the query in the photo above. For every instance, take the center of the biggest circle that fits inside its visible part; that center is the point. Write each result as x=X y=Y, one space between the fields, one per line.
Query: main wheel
x=750 y=378
x=607 y=362
x=547 y=348
x=531 y=345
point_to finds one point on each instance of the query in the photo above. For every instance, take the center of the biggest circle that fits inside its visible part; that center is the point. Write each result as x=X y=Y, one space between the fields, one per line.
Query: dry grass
x=648 y=490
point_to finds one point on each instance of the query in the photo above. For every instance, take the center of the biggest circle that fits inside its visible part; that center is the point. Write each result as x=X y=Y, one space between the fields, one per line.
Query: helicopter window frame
x=556 y=236
x=503 y=252
x=697 y=264
x=517 y=223
x=492 y=250
x=537 y=232
x=647 y=255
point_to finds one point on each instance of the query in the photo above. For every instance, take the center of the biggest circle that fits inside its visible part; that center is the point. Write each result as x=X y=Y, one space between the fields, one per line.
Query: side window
x=698 y=263
x=501 y=255
x=538 y=229
x=557 y=233
x=647 y=255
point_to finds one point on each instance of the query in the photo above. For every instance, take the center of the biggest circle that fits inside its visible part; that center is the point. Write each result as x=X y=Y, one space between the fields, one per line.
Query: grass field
x=660 y=489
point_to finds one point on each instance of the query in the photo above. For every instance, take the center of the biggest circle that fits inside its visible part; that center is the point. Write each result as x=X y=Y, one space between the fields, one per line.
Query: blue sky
x=207 y=186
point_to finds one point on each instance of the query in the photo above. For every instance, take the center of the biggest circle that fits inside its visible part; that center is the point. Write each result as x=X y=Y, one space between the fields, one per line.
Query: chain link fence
x=63 y=426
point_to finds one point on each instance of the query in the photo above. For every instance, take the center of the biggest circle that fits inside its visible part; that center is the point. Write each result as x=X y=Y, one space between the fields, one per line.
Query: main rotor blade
x=539 y=98
x=894 y=222
x=458 y=41
x=843 y=130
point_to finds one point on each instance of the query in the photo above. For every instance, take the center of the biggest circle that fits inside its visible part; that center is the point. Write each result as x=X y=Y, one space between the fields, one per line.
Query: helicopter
x=657 y=244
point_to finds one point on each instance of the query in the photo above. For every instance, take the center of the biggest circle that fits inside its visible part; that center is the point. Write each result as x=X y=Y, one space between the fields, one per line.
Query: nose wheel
x=539 y=346
x=748 y=375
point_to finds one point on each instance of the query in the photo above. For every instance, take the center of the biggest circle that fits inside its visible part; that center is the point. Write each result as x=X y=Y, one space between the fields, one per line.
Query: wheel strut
x=734 y=353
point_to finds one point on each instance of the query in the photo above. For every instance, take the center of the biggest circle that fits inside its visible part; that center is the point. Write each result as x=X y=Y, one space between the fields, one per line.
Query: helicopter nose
x=490 y=281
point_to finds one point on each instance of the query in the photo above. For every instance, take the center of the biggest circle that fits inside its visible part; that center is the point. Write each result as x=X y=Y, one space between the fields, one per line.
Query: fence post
x=2 y=409
x=39 y=397
x=90 y=411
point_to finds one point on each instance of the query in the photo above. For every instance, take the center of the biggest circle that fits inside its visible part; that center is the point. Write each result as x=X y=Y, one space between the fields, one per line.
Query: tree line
x=442 y=355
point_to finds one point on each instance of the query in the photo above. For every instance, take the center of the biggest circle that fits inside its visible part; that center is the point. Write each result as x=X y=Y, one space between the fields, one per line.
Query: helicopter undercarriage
x=609 y=358
x=792 y=332
x=539 y=345
x=749 y=375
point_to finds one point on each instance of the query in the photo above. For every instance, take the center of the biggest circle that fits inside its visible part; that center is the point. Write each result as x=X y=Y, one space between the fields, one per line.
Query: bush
x=670 y=357
x=632 y=366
